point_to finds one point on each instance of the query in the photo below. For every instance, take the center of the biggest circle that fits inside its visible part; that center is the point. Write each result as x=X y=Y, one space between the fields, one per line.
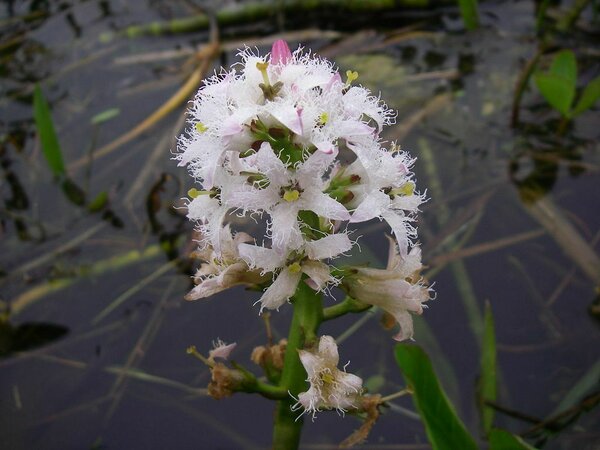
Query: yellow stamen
x=327 y=378
x=295 y=267
x=351 y=76
x=323 y=118
x=291 y=196
x=262 y=66
x=200 y=127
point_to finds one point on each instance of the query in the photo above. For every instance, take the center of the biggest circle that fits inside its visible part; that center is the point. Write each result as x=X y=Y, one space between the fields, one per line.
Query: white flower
x=287 y=192
x=291 y=266
x=398 y=289
x=221 y=350
x=224 y=270
x=330 y=388
x=386 y=191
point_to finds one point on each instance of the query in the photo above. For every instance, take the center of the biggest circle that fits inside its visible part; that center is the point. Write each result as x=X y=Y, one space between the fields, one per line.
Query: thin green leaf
x=564 y=65
x=580 y=389
x=48 y=138
x=589 y=96
x=487 y=385
x=503 y=440
x=444 y=429
x=105 y=116
x=468 y=11
x=557 y=91
x=74 y=193
x=99 y=202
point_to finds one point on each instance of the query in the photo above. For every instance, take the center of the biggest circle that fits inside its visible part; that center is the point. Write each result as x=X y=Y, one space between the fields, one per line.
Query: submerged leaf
x=557 y=90
x=589 y=96
x=487 y=385
x=503 y=440
x=444 y=428
x=47 y=133
x=564 y=65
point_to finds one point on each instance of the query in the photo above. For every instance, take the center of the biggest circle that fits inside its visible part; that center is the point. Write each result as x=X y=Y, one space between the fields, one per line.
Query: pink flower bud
x=280 y=52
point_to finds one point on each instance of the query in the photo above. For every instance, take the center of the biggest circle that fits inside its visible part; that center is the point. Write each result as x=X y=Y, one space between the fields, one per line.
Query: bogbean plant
x=284 y=138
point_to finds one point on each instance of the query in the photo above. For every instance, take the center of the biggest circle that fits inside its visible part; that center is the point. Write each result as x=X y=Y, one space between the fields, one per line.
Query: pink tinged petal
x=398 y=225
x=231 y=126
x=255 y=256
x=323 y=205
x=221 y=351
x=289 y=116
x=215 y=232
x=350 y=128
x=202 y=208
x=247 y=197
x=405 y=321
x=328 y=350
x=310 y=400
x=282 y=289
x=314 y=167
x=284 y=227
x=326 y=147
x=371 y=207
x=351 y=382
x=407 y=202
x=280 y=52
x=394 y=259
x=328 y=247
x=318 y=273
x=311 y=362
x=271 y=166
x=411 y=263
x=229 y=277
x=335 y=79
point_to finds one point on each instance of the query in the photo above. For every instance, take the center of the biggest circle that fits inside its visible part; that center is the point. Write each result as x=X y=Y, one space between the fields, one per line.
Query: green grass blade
x=487 y=384
x=48 y=138
x=444 y=428
x=105 y=116
x=470 y=15
x=503 y=440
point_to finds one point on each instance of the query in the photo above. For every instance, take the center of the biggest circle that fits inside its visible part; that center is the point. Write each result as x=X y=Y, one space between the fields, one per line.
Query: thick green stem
x=349 y=305
x=308 y=314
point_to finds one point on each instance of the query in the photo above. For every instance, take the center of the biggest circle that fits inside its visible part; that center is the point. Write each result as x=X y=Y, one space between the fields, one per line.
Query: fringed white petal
x=282 y=289
x=328 y=247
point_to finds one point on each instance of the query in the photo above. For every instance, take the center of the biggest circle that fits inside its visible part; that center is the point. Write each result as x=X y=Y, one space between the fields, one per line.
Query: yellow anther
x=200 y=127
x=295 y=267
x=262 y=66
x=407 y=188
x=327 y=378
x=193 y=193
x=323 y=118
x=351 y=76
x=291 y=196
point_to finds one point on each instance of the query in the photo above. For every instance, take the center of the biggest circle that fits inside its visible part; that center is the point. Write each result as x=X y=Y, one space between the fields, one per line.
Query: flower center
x=291 y=195
x=295 y=267
x=326 y=377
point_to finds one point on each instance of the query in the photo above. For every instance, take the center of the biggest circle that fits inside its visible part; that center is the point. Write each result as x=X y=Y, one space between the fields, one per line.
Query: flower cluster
x=283 y=139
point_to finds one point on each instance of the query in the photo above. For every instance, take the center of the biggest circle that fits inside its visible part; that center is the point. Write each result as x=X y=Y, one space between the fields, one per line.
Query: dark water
x=75 y=375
